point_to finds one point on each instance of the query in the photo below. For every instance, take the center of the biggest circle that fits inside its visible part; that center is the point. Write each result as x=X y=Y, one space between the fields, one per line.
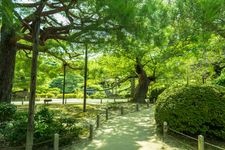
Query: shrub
x=220 y=80
x=7 y=111
x=193 y=110
x=66 y=95
x=41 y=95
x=54 y=91
x=46 y=125
x=70 y=95
x=44 y=95
x=44 y=115
x=15 y=131
x=98 y=95
x=155 y=93
x=50 y=95
x=69 y=126
x=79 y=94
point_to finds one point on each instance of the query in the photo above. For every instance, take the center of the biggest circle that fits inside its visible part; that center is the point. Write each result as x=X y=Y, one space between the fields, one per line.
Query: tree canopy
x=134 y=47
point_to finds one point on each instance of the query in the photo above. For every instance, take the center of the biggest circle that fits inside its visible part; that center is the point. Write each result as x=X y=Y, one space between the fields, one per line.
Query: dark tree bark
x=30 y=126
x=35 y=35
x=143 y=83
x=7 y=57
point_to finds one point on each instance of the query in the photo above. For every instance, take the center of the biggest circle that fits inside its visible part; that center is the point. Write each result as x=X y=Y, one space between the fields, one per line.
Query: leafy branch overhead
x=72 y=21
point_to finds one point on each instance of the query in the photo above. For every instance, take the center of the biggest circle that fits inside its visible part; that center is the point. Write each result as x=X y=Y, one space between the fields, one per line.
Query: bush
x=54 y=91
x=50 y=95
x=69 y=126
x=193 y=110
x=70 y=95
x=220 y=80
x=41 y=95
x=7 y=111
x=67 y=95
x=155 y=93
x=98 y=95
x=79 y=94
x=44 y=115
x=46 y=125
x=15 y=131
x=44 y=95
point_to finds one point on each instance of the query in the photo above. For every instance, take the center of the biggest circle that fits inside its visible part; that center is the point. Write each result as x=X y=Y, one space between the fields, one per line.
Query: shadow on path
x=134 y=131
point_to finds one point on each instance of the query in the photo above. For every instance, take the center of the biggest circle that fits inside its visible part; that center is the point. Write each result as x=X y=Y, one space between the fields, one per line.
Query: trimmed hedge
x=193 y=110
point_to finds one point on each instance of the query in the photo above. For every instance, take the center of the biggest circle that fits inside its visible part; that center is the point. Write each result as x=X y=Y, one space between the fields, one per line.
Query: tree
x=197 y=24
x=112 y=72
x=71 y=83
x=152 y=22
x=36 y=22
x=7 y=50
x=86 y=21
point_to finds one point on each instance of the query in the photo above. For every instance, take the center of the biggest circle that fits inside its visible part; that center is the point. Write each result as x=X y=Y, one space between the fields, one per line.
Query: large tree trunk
x=143 y=83
x=7 y=57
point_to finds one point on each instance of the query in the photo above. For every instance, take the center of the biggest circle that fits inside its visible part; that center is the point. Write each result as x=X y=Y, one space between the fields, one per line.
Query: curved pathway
x=134 y=131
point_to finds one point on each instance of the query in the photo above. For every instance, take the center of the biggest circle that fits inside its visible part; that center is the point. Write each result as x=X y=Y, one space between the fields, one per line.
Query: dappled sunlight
x=145 y=145
x=134 y=131
x=97 y=143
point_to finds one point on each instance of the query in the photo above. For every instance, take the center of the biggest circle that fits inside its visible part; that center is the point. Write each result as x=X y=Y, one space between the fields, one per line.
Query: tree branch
x=27 y=4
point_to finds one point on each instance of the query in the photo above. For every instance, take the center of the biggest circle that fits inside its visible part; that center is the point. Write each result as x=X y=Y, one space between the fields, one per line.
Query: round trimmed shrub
x=193 y=110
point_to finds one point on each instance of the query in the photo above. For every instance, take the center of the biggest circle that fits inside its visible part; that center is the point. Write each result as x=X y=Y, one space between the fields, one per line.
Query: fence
x=108 y=112
x=200 y=140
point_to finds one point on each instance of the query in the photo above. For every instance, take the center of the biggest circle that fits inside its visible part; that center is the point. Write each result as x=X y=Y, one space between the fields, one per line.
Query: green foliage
x=46 y=125
x=54 y=91
x=69 y=126
x=79 y=94
x=44 y=115
x=98 y=94
x=155 y=93
x=7 y=111
x=71 y=83
x=15 y=131
x=50 y=95
x=193 y=110
x=220 y=80
x=71 y=95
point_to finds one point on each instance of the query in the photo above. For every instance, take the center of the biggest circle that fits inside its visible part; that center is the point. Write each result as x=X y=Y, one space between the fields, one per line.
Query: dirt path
x=134 y=131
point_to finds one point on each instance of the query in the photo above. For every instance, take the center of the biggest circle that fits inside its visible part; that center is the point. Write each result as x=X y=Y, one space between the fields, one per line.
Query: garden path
x=134 y=131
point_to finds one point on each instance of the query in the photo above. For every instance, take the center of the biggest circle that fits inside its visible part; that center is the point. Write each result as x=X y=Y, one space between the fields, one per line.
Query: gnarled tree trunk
x=143 y=83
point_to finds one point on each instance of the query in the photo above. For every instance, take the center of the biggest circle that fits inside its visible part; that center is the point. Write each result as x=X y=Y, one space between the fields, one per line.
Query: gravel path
x=134 y=131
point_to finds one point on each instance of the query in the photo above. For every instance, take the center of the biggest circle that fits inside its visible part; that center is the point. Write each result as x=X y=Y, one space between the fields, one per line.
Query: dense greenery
x=6 y=112
x=193 y=110
x=47 y=123
x=132 y=45
x=155 y=33
x=155 y=92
